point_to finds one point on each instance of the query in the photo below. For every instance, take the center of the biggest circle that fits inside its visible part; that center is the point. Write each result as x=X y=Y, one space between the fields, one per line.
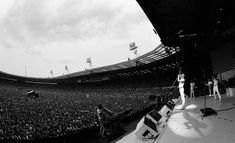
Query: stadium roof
x=162 y=58
x=177 y=20
x=158 y=53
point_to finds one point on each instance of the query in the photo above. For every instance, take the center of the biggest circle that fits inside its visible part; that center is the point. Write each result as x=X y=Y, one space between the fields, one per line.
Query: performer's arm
x=178 y=78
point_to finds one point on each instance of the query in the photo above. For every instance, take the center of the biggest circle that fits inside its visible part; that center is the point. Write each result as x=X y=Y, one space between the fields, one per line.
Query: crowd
x=60 y=111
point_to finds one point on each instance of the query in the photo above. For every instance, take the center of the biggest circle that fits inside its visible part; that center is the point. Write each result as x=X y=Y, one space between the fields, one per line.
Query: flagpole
x=66 y=68
x=25 y=71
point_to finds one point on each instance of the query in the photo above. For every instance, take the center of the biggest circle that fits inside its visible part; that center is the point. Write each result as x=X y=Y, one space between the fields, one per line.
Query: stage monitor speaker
x=156 y=117
x=146 y=129
x=174 y=101
x=171 y=105
x=166 y=110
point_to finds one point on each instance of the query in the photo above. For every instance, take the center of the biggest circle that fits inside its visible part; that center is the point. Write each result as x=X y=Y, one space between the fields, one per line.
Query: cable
x=225 y=109
x=173 y=83
x=150 y=138
x=225 y=119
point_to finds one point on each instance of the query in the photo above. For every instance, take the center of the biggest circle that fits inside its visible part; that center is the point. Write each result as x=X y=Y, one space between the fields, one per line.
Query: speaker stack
x=146 y=128
x=151 y=125
x=167 y=109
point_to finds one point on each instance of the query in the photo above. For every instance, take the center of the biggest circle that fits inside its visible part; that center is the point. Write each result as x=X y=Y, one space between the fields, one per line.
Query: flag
x=132 y=46
x=66 y=68
x=135 y=52
x=51 y=72
x=88 y=60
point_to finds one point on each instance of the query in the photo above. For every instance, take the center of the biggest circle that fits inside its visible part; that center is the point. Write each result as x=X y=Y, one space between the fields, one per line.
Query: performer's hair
x=181 y=75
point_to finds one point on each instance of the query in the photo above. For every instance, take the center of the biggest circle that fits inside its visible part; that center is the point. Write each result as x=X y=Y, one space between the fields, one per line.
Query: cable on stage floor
x=225 y=119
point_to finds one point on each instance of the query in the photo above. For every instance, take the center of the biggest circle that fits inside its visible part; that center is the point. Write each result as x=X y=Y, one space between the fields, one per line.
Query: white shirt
x=215 y=82
x=209 y=83
x=192 y=84
x=181 y=81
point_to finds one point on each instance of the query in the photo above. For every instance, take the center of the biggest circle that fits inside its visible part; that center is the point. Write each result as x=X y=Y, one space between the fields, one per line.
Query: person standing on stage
x=209 y=86
x=192 y=86
x=181 y=81
x=215 y=88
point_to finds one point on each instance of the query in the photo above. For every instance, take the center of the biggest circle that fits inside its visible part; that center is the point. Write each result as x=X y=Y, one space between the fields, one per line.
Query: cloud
x=4 y=43
x=33 y=52
x=65 y=61
x=29 y=23
x=48 y=34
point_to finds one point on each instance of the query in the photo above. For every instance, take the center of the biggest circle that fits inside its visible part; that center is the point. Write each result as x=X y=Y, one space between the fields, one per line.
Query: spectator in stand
x=61 y=111
x=103 y=120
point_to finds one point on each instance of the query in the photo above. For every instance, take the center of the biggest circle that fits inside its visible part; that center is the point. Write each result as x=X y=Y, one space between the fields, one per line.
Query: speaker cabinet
x=146 y=128
x=167 y=110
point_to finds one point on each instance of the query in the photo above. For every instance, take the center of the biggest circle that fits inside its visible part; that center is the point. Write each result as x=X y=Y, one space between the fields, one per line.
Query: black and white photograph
x=125 y=71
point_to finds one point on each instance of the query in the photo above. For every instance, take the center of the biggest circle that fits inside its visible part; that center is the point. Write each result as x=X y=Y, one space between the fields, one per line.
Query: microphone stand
x=207 y=111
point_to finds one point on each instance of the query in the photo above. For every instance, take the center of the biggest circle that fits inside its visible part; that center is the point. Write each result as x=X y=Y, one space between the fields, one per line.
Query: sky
x=37 y=36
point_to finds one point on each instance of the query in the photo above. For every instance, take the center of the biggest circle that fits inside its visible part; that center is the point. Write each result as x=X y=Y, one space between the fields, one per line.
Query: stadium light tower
x=133 y=47
x=88 y=60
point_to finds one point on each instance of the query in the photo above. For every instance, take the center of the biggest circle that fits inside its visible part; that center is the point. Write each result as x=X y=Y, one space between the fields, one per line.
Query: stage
x=189 y=126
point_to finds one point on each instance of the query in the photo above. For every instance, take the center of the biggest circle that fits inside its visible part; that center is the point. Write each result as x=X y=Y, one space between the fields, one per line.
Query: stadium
x=197 y=38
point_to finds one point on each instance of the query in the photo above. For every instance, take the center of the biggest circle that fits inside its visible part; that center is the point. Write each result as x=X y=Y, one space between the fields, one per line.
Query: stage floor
x=189 y=126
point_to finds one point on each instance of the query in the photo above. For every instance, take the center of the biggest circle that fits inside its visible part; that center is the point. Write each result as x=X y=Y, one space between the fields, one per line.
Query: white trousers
x=192 y=95
x=182 y=95
x=216 y=90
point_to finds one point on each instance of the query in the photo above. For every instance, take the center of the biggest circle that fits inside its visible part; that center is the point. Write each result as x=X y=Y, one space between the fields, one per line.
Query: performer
x=209 y=86
x=181 y=81
x=192 y=86
x=215 y=88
